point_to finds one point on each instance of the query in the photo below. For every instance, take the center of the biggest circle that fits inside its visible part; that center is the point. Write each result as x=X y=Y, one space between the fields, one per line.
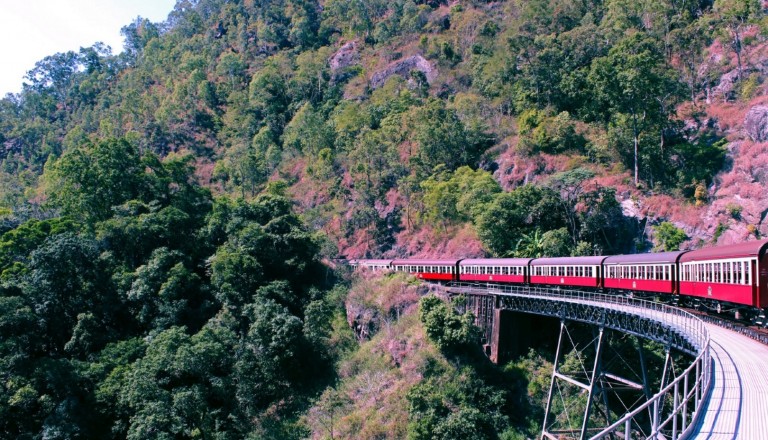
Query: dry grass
x=375 y=379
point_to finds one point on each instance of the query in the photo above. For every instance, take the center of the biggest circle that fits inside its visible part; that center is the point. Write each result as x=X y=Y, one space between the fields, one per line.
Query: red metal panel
x=747 y=249
x=734 y=293
x=424 y=262
x=651 y=258
x=565 y=281
x=434 y=276
x=492 y=278
x=661 y=286
x=495 y=262
x=568 y=261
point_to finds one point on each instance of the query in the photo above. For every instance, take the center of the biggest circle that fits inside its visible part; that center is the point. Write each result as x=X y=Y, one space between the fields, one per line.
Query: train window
x=738 y=273
x=715 y=272
x=745 y=272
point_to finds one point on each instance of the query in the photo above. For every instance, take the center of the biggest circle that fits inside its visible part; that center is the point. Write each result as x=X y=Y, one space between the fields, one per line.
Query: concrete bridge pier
x=513 y=333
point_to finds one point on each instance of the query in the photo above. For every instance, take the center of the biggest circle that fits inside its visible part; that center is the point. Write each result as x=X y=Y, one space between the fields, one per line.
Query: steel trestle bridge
x=705 y=398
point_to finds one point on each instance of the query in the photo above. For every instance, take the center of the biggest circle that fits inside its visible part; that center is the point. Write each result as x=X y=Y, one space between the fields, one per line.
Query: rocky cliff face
x=403 y=68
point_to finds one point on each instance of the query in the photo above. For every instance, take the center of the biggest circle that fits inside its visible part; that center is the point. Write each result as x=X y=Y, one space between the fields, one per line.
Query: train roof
x=747 y=249
x=372 y=261
x=650 y=258
x=414 y=262
x=568 y=261
x=496 y=261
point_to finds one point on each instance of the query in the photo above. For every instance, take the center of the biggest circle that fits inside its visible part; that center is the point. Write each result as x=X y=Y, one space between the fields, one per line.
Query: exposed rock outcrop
x=403 y=68
x=756 y=123
x=347 y=55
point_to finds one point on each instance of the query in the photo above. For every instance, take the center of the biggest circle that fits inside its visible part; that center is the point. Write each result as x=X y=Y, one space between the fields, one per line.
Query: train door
x=674 y=279
x=761 y=290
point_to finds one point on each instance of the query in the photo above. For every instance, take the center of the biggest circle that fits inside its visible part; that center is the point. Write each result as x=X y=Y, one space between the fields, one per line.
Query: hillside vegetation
x=168 y=214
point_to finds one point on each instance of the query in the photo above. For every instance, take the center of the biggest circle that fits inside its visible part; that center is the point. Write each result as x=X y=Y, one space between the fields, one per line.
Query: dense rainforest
x=169 y=215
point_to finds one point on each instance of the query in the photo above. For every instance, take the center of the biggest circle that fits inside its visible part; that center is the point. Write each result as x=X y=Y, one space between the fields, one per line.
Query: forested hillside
x=167 y=213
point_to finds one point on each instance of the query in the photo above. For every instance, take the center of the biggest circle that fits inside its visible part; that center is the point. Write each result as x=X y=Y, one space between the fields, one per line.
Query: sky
x=30 y=30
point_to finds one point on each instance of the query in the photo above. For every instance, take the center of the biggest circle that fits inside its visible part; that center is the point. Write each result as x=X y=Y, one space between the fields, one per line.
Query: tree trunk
x=737 y=49
x=637 y=145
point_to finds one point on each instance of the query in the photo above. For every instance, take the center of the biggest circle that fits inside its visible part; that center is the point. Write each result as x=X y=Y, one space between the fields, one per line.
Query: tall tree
x=736 y=15
x=634 y=86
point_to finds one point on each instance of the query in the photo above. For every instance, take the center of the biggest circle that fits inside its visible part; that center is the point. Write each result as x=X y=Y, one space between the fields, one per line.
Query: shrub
x=734 y=210
x=668 y=237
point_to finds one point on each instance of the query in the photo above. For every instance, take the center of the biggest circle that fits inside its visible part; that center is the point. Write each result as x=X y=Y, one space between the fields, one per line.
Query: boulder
x=756 y=123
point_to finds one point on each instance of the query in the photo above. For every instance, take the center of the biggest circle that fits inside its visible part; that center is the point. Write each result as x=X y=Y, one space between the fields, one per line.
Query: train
x=725 y=279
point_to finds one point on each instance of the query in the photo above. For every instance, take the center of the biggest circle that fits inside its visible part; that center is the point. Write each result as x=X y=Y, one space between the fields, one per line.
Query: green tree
x=443 y=139
x=736 y=15
x=513 y=214
x=634 y=87
x=88 y=181
x=668 y=237
x=450 y=331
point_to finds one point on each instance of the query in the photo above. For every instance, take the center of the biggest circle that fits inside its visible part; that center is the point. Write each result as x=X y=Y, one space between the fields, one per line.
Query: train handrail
x=692 y=326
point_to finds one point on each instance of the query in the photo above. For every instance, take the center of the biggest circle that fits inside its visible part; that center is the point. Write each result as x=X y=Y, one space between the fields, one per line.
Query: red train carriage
x=736 y=274
x=642 y=272
x=567 y=271
x=500 y=270
x=431 y=270
x=371 y=264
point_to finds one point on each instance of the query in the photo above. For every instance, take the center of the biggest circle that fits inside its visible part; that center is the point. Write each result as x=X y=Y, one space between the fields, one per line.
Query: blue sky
x=30 y=30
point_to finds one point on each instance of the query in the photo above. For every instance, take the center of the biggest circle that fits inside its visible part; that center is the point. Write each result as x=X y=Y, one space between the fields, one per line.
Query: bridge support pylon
x=582 y=384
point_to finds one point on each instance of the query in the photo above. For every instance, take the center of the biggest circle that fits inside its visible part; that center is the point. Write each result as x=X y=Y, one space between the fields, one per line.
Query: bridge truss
x=669 y=413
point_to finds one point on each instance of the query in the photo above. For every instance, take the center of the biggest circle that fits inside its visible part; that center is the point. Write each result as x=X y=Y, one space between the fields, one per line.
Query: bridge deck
x=738 y=404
